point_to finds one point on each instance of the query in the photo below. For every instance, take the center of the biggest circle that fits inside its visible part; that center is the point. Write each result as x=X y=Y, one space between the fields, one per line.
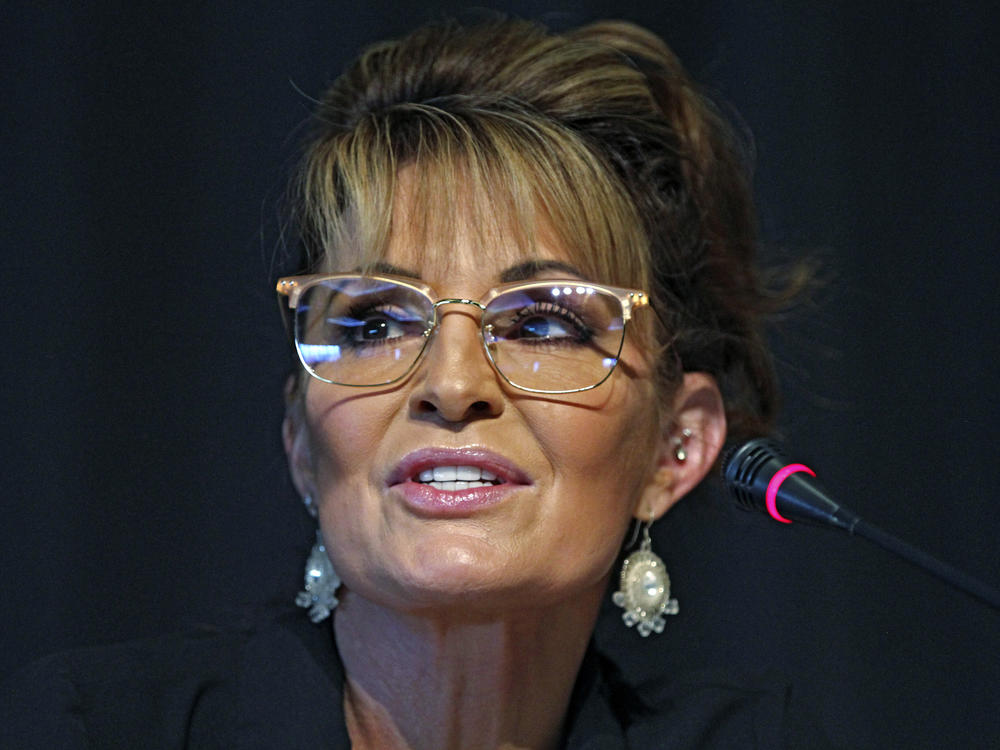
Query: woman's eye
x=547 y=322
x=540 y=327
x=376 y=325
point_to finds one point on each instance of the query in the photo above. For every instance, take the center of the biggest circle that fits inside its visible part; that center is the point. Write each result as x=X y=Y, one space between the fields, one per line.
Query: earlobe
x=658 y=496
x=689 y=445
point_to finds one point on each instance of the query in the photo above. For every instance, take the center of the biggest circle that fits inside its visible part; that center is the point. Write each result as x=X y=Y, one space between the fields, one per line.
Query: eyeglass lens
x=369 y=331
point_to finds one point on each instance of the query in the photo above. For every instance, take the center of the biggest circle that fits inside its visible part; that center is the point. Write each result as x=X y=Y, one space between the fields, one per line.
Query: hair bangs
x=512 y=178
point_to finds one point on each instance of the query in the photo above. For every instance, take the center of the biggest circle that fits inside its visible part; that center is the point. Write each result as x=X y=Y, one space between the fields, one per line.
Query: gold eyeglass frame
x=294 y=287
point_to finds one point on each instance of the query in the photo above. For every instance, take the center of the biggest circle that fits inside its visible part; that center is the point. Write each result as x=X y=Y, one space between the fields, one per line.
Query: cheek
x=344 y=432
x=602 y=458
x=611 y=444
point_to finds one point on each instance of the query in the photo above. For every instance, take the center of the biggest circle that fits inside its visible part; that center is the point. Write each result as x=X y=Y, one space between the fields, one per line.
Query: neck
x=420 y=681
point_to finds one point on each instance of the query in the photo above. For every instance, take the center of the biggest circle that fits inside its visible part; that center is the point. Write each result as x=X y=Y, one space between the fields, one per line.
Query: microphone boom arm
x=760 y=478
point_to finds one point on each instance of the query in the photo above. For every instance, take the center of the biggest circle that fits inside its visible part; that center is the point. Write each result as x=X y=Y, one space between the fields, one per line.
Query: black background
x=145 y=147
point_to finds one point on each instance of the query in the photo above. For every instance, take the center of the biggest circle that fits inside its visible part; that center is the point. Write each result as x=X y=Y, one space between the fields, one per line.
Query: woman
x=527 y=315
x=466 y=612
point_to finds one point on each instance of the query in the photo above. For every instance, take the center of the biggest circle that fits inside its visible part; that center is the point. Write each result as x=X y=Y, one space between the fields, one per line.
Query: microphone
x=761 y=478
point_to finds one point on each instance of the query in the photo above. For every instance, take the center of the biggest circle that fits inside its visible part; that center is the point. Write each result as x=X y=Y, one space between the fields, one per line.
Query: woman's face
x=572 y=466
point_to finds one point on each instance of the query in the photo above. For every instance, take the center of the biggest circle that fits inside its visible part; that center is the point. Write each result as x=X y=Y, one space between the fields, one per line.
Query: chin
x=469 y=579
x=459 y=567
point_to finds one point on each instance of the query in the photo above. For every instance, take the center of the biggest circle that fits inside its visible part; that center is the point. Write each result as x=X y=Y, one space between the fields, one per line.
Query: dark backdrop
x=144 y=151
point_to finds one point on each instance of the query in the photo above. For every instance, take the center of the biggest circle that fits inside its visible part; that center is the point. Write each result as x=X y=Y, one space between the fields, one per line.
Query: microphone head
x=761 y=478
x=747 y=469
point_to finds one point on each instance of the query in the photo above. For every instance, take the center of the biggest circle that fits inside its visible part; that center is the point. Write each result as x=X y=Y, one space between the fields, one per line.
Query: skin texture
x=488 y=612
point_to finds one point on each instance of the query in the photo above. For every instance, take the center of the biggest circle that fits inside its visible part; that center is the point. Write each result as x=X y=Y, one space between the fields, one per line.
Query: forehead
x=439 y=228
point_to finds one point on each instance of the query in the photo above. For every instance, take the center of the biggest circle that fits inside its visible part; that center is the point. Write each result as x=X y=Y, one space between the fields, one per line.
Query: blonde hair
x=597 y=134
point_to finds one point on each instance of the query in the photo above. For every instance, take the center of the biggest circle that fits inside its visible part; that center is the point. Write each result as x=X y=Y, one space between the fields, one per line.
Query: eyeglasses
x=551 y=336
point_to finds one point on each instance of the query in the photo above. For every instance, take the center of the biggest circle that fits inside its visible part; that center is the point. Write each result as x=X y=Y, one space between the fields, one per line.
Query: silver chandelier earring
x=644 y=588
x=321 y=580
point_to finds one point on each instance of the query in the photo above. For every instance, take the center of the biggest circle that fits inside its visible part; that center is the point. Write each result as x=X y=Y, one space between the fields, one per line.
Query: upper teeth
x=457 y=473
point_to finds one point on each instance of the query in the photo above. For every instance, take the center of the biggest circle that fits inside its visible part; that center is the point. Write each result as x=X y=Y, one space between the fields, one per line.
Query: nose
x=455 y=381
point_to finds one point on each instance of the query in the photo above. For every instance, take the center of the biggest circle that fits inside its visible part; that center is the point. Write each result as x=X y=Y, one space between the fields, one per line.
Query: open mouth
x=457 y=478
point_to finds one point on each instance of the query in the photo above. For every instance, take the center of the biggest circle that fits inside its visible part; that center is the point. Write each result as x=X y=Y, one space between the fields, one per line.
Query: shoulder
x=209 y=686
x=112 y=695
x=715 y=709
x=699 y=710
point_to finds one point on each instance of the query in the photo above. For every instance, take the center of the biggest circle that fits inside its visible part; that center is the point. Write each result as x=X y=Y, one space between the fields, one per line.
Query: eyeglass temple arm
x=632 y=298
x=288 y=288
x=292 y=287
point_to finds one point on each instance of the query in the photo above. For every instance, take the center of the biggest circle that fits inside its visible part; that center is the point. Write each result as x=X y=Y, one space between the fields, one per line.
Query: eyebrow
x=531 y=268
x=523 y=271
x=380 y=266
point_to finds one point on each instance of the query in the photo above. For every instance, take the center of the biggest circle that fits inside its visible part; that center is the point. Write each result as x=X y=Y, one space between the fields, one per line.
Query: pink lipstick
x=449 y=483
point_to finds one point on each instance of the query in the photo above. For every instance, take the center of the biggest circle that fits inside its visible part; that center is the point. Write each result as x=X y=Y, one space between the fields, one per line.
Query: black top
x=271 y=679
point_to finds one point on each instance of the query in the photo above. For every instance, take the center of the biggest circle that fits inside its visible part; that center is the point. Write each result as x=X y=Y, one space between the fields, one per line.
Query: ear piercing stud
x=680 y=452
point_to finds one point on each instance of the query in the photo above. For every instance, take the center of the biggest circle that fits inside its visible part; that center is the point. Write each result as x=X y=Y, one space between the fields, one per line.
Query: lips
x=451 y=482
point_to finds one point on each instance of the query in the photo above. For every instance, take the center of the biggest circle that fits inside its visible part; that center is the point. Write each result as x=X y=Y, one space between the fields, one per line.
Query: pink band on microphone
x=780 y=476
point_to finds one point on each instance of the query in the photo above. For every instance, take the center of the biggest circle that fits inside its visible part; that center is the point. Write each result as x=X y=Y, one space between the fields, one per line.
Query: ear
x=690 y=441
x=295 y=437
